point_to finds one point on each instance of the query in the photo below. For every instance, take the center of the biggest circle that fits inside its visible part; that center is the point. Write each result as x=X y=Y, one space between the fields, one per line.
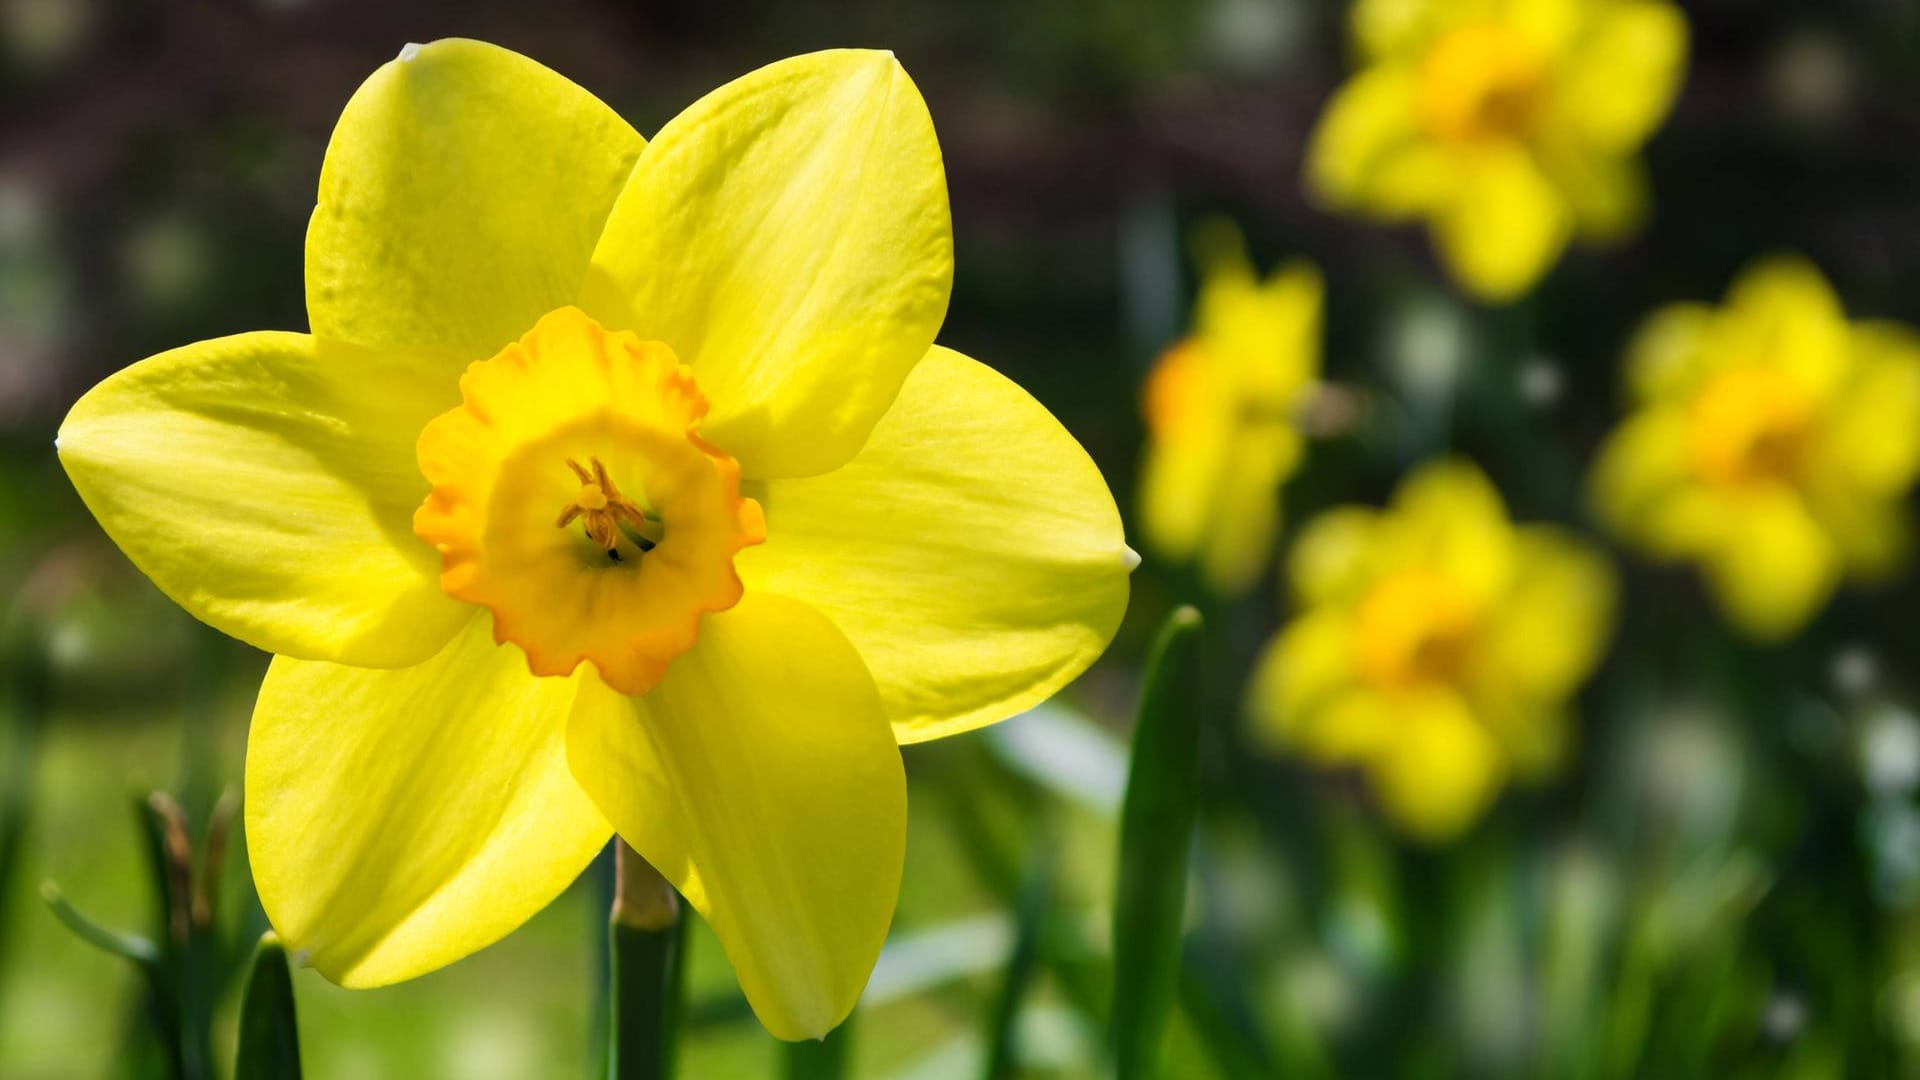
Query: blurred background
x=1725 y=879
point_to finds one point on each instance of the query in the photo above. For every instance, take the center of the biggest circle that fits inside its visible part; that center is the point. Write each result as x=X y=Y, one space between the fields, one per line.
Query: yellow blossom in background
x=1434 y=646
x=1507 y=126
x=1220 y=407
x=619 y=486
x=1772 y=442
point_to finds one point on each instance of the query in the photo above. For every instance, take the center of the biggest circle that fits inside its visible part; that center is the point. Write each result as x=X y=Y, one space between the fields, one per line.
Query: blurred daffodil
x=1508 y=126
x=1772 y=442
x=1220 y=407
x=619 y=486
x=1435 y=646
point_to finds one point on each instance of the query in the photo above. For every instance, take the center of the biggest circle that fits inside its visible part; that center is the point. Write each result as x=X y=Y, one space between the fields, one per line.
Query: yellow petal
x=1238 y=547
x=1189 y=407
x=1355 y=727
x=1774 y=567
x=463 y=191
x=1403 y=28
x=1642 y=463
x=1306 y=666
x=1369 y=151
x=1448 y=519
x=1504 y=225
x=1443 y=768
x=1549 y=630
x=1782 y=315
x=972 y=552
x=788 y=236
x=1671 y=351
x=1330 y=558
x=266 y=483
x=1620 y=79
x=1871 y=441
x=400 y=820
x=760 y=778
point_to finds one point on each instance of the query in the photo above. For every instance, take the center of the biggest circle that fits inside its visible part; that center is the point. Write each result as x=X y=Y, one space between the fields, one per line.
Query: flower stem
x=825 y=1058
x=644 y=935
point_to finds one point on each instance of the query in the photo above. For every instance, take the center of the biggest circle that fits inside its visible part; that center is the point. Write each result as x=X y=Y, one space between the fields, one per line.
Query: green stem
x=645 y=938
x=825 y=1058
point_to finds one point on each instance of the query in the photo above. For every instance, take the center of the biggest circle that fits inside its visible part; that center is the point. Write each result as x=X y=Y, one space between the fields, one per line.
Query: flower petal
x=1774 y=567
x=266 y=483
x=1447 y=518
x=1371 y=120
x=759 y=778
x=788 y=236
x=1548 y=632
x=1442 y=768
x=400 y=820
x=1505 y=224
x=972 y=552
x=1239 y=547
x=1621 y=78
x=1330 y=558
x=462 y=194
x=1670 y=352
x=1306 y=667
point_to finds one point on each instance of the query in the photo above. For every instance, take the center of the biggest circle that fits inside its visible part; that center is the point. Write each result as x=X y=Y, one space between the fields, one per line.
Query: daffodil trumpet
x=619 y=486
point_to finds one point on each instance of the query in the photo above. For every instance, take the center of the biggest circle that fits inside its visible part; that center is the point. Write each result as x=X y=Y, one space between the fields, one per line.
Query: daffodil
x=619 y=486
x=1221 y=405
x=1508 y=126
x=1772 y=442
x=1435 y=646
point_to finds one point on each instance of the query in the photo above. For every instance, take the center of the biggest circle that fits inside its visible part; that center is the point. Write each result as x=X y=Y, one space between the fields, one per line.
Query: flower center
x=605 y=511
x=622 y=575
x=1412 y=629
x=1481 y=82
x=1750 y=425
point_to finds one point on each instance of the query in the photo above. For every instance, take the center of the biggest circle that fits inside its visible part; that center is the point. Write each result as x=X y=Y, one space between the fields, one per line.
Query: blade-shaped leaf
x=1156 y=828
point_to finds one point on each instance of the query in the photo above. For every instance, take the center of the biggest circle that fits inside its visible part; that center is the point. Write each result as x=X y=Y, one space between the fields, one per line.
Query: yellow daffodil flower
x=1434 y=646
x=1772 y=442
x=618 y=487
x=1508 y=126
x=1220 y=407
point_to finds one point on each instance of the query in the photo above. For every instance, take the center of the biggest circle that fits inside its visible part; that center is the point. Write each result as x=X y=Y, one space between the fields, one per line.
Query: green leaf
x=130 y=946
x=1156 y=829
x=269 y=1036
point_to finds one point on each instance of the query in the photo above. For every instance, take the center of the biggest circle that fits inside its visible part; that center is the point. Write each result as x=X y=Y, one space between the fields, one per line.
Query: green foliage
x=1156 y=829
x=269 y=1034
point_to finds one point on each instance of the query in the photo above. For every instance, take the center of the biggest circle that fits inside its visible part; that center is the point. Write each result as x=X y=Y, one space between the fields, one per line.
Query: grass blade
x=1022 y=965
x=269 y=1034
x=1156 y=829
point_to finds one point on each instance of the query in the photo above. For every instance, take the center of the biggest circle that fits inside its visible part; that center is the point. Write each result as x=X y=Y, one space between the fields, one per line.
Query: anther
x=602 y=510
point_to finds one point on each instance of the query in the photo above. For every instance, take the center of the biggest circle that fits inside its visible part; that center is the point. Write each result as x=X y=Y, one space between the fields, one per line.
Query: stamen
x=603 y=511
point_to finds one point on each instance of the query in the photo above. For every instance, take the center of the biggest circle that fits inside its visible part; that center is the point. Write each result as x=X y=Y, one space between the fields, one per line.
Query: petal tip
x=1129 y=558
x=409 y=51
